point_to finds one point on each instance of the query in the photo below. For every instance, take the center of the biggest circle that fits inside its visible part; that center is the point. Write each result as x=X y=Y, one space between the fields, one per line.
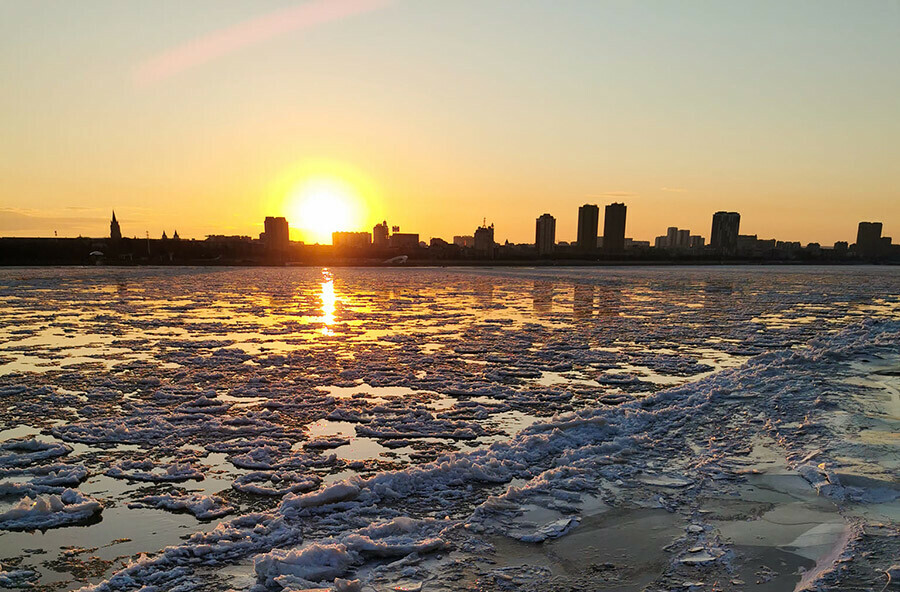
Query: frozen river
x=444 y=429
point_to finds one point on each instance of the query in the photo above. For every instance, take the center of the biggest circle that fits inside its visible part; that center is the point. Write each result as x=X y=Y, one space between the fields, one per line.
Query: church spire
x=115 y=233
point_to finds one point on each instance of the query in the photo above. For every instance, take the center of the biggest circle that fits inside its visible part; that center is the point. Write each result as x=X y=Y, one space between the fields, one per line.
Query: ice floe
x=204 y=507
x=147 y=470
x=50 y=511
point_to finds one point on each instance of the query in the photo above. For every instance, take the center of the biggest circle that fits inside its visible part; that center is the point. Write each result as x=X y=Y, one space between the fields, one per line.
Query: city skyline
x=436 y=116
x=595 y=227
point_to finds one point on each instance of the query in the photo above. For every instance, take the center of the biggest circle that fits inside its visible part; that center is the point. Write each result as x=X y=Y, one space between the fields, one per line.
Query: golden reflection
x=329 y=302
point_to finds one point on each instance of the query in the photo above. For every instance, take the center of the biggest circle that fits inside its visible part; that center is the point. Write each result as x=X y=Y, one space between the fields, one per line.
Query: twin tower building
x=613 y=242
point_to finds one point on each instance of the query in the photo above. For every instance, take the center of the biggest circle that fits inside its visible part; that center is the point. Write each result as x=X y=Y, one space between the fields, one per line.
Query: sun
x=321 y=205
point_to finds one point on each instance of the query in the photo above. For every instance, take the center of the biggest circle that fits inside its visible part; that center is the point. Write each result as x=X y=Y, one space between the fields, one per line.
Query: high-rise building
x=404 y=240
x=868 y=239
x=465 y=241
x=277 y=233
x=484 y=241
x=588 y=219
x=725 y=229
x=671 y=237
x=380 y=235
x=614 y=228
x=351 y=240
x=545 y=234
x=115 y=233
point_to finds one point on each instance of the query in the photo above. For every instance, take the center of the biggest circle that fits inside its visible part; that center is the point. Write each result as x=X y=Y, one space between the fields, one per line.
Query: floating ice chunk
x=282 y=482
x=241 y=445
x=50 y=511
x=60 y=475
x=665 y=481
x=338 y=492
x=701 y=557
x=826 y=482
x=270 y=458
x=204 y=507
x=396 y=538
x=315 y=562
x=399 y=537
x=347 y=585
x=12 y=389
x=553 y=530
x=147 y=470
x=26 y=451
x=329 y=442
x=133 y=430
x=206 y=403
x=694 y=528
x=44 y=477
x=17 y=578
x=391 y=422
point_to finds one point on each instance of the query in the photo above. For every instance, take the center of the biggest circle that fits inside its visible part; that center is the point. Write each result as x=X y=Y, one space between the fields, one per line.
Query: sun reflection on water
x=329 y=302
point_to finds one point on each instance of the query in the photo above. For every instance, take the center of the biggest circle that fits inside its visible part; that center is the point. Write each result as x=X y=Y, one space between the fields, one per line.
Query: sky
x=205 y=116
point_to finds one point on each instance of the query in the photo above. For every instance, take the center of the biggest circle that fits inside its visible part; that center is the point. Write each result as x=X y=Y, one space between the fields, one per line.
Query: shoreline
x=476 y=263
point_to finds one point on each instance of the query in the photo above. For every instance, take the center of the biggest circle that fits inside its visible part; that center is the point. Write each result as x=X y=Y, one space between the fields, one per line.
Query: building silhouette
x=725 y=230
x=614 y=228
x=545 y=234
x=588 y=218
x=115 y=233
x=380 y=235
x=484 y=241
x=868 y=239
x=277 y=233
x=351 y=240
x=679 y=239
x=404 y=240
x=464 y=241
x=672 y=237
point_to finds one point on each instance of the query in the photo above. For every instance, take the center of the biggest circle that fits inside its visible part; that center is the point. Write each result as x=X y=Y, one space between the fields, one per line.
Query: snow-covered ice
x=50 y=511
x=450 y=428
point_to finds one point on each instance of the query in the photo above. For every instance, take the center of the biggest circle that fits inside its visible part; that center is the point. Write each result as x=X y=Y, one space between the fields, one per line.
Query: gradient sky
x=198 y=114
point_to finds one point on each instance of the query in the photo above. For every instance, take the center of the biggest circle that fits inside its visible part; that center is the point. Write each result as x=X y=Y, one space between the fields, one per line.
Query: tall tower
x=588 y=220
x=614 y=228
x=277 y=233
x=380 y=235
x=545 y=234
x=115 y=233
x=484 y=241
x=868 y=238
x=724 y=234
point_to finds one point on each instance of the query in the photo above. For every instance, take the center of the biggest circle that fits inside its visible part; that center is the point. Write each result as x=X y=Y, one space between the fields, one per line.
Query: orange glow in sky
x=205 y=117
x=320 y=206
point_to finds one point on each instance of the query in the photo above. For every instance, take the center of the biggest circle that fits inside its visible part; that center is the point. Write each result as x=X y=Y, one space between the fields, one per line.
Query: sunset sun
x=320 y=206
x=364 y=295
